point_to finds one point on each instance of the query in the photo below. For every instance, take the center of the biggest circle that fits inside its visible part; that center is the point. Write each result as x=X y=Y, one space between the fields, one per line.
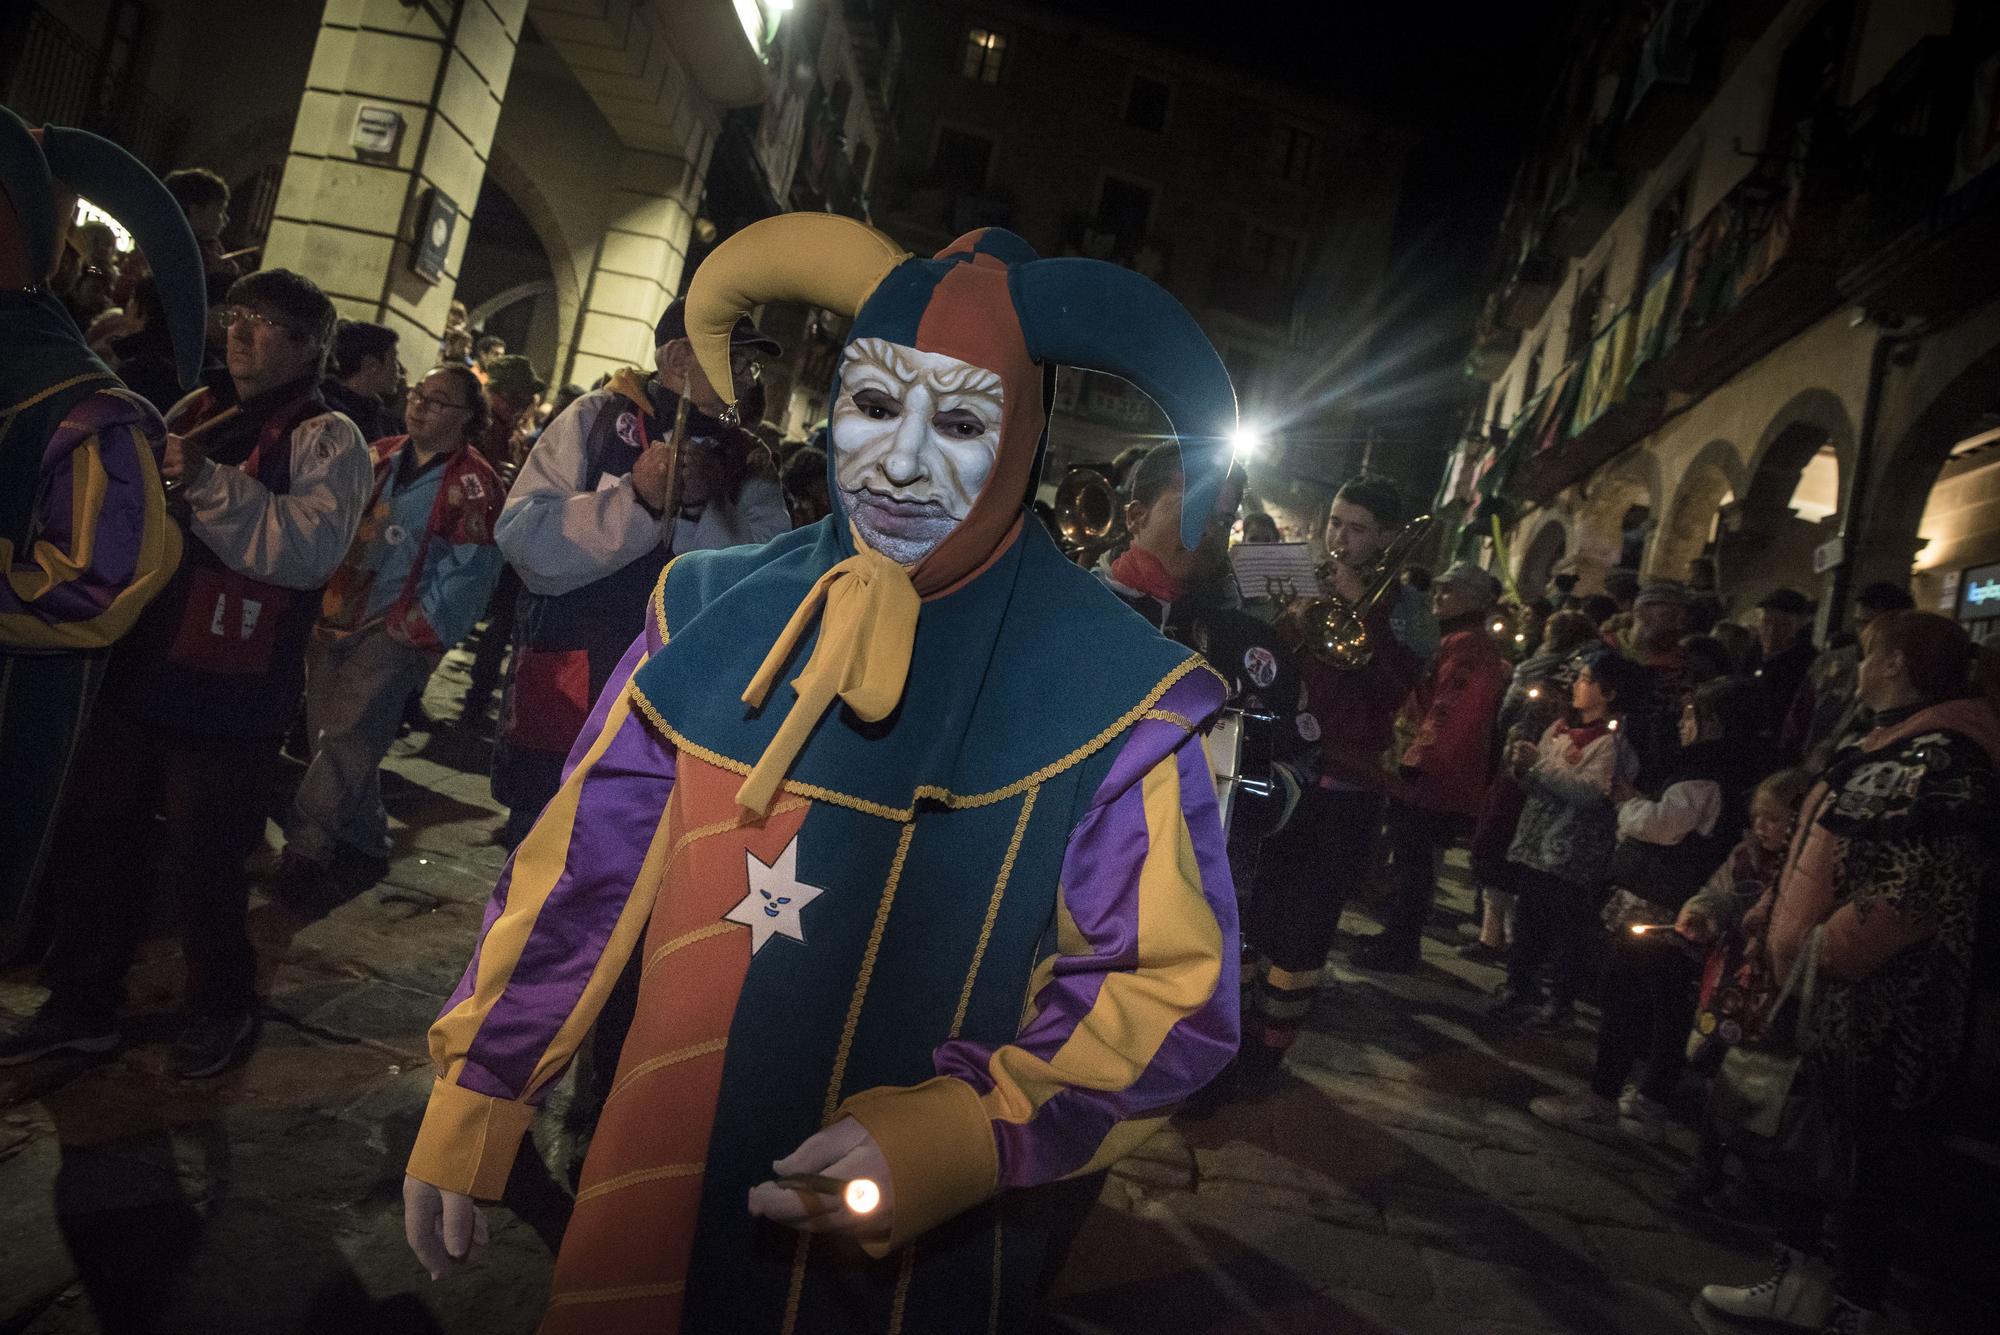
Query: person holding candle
x=849 y=799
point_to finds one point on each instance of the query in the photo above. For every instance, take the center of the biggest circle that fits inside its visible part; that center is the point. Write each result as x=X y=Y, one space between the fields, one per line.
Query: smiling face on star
x=915 y=436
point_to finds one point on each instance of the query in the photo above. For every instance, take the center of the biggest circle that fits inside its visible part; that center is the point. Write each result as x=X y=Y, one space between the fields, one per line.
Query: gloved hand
x=843 y=1150
x=444 y=1228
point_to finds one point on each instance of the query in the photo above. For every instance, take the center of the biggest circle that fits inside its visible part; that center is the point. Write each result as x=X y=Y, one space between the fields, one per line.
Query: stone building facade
x=1266 y=209
x=1746 y=306
x=566 y=145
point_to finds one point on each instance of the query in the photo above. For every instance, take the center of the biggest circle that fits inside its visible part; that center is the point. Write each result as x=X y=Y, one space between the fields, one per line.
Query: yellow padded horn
x=820 y=259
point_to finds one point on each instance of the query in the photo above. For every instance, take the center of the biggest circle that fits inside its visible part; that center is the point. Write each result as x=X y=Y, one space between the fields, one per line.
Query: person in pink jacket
x=1894 y=849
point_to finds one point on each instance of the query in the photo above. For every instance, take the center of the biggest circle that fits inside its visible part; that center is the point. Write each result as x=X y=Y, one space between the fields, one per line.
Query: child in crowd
x=1736 y=985
x=1563 y=841
x=1668 y=846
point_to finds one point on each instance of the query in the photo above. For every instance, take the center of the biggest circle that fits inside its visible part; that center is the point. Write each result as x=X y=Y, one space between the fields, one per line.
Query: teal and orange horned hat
x=986 y=299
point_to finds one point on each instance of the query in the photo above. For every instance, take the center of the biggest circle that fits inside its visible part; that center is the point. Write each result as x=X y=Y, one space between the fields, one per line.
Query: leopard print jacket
x=1915 y=823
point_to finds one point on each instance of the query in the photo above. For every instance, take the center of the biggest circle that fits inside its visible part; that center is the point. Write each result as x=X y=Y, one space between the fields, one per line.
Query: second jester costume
x=922 y=850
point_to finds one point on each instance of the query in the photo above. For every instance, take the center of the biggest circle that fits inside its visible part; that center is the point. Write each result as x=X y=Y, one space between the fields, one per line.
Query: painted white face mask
x=914 y=435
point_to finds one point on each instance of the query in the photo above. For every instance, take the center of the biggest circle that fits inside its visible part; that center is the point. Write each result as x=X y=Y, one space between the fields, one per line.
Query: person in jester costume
x=909 y=822
x=85 y=539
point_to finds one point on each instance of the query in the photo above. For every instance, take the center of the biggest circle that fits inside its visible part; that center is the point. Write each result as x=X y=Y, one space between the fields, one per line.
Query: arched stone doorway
x=1693 y=517
x=507 y=282
x=1936 y=510
x=1613 y=522
x=1545 y=547
x=1790 y=502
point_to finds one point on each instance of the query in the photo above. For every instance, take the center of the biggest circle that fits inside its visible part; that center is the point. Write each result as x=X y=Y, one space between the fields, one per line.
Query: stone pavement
x=1395 y=1183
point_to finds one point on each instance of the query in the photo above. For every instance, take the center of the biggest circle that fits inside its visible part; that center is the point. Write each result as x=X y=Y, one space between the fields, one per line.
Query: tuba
x=1336 y=632
x=1088 y=514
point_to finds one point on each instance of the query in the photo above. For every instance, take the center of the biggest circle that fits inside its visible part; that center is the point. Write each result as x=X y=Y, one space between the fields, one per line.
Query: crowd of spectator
x=348 y=523
x=1666 y=808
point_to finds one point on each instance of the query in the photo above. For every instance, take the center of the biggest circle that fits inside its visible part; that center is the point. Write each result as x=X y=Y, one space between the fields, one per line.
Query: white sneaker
x=1642 y=1117
x=1573 y=1112
x=1799 y=1293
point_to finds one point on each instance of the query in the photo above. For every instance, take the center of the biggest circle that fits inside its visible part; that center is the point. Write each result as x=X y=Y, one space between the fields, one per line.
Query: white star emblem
x=776 y=896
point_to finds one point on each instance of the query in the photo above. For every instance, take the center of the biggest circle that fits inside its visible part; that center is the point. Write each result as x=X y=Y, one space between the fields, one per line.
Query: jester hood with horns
x=85 y=541
x=853 y=815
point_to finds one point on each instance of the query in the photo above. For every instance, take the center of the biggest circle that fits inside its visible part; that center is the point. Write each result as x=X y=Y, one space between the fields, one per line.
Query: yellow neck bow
x=863 y=658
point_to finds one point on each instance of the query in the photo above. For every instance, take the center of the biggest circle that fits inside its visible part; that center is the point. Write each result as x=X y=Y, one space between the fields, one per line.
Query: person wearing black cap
x=585 y=530
x=1784 y=634
x=1826 y=710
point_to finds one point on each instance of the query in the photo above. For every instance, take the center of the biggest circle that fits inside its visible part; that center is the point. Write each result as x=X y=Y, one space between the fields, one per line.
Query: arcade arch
x=1693 y=517
x=1790 y=501
x=1935 y=513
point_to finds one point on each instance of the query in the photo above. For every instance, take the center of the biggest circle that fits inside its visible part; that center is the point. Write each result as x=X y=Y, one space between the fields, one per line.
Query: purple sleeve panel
x=1141 y=1009
x=562 y=892
x=73 y=591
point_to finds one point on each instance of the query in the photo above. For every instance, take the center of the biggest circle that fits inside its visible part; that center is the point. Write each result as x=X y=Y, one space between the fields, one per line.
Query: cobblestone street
x=1395 y=1183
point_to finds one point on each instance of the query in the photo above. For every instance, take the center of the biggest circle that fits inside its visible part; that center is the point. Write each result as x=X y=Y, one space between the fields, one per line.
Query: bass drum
x=1249 y=793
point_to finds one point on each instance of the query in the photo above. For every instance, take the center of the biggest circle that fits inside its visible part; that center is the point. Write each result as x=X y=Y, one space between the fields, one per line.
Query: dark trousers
x=1305 y=873
x=1649 y=997
x=210 y=797
x=491 y=651
x=1555 y=925
x=1417 y=840
x=44 y=703
x=1892 y=1154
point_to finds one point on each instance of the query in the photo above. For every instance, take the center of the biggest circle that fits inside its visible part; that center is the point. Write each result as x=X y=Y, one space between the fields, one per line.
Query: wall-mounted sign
x=437 y=218
x=1828 y=555
x=376 y=129
x=1979 y=593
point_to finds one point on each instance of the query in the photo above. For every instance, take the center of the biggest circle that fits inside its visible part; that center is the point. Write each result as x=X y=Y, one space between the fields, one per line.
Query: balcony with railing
x=1759 y=268
x=1530 y=288
x=54 y=76
x=1921 y=234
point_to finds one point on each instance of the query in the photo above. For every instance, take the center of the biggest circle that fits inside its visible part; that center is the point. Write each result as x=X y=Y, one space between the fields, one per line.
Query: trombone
x=1335 y=632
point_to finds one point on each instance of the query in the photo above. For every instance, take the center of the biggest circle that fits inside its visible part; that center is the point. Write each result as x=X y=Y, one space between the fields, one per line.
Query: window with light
x=985 y=52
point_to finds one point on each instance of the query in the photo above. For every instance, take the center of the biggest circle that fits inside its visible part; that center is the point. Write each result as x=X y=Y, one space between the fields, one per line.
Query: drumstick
x=210 y=424
x=173 y=484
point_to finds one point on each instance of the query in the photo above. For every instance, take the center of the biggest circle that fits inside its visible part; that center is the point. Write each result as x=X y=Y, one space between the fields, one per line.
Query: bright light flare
x=1247 y=441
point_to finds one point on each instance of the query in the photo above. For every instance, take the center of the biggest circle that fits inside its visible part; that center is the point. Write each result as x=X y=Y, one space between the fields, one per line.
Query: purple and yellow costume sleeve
x=1137 y=1010
x=569 y=908
x=104 y=545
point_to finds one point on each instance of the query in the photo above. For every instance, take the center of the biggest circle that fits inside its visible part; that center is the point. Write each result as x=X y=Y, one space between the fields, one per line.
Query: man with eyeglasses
x=199 y=695
x=585 y=529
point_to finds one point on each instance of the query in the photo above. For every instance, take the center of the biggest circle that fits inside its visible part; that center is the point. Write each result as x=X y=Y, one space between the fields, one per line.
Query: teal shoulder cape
x=1028 y=669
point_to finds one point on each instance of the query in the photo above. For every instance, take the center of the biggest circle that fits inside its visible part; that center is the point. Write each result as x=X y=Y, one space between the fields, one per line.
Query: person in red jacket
x=1443 y=774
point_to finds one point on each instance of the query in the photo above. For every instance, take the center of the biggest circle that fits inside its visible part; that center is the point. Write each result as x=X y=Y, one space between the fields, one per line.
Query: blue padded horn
x=119 y=183
x=24 y=176
x=1100 y=317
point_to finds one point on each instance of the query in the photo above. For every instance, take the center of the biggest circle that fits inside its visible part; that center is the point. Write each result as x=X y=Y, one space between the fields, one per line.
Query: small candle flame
x=862 y=1195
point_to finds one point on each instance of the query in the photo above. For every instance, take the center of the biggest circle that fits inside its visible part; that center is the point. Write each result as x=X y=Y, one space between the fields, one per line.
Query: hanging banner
x=1649 y=335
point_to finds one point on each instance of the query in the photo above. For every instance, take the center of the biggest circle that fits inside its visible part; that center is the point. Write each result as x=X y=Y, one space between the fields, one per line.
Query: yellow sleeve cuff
x=939 y=1144
x=468 y=1141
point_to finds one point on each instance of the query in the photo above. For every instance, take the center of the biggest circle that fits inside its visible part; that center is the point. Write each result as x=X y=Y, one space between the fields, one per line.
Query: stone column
x=347 y=219
x=649 y=217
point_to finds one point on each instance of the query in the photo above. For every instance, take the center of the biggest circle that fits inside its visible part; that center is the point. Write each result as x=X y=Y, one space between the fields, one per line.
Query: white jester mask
x=915 y=437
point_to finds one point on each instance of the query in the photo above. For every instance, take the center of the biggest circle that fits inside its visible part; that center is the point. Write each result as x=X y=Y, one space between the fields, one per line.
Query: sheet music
x=1268 y=569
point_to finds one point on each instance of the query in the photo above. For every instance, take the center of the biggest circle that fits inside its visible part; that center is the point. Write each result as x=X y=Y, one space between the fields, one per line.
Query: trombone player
x=1308 y=866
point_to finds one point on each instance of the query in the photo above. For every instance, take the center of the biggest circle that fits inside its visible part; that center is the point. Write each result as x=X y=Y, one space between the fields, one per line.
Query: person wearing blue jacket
x=420 y=571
